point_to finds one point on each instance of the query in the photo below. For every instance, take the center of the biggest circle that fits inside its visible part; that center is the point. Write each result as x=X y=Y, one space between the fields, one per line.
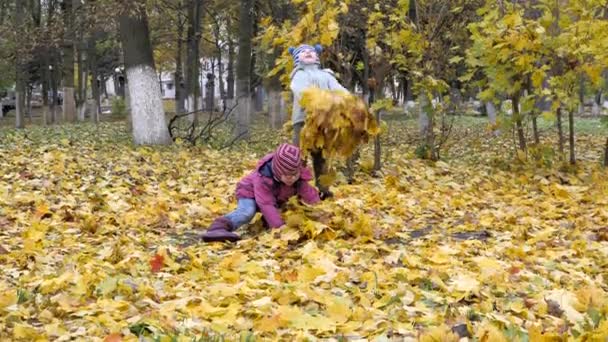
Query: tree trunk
x=83 y=72
x=55 y=91
x=81 y=93
x=423 y=115
x=69 y=103
x=365 y=84
x=560 y=131
x=377 y=146
x=19 y=109
x=597 y=104
x=220 y=71
x=571 y=136
x=92 y=59
x=44 y=67
x=557 y=69
x=192 y=58
x=259 y=98
x=210 y=92
x=28 y=102
x=178 y=78
x=19 y=67
x=535 y=129
x=230 y=70
x=103 y=90
x=491 y=110
x=426 y=125
x=96 y=107
x=149 y=123
x=275 y=108
x=518 y=123
x=243 y=70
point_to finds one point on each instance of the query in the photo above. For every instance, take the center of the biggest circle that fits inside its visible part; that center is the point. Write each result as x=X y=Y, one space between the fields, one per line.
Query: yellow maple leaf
x=441 y=333
x=26 y=332
x=338 y=310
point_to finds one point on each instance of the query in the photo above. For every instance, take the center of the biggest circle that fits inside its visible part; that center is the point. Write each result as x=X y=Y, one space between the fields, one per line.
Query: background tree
x=243 y=68
x=506 y=47
x=69 y=103
x=149 y=123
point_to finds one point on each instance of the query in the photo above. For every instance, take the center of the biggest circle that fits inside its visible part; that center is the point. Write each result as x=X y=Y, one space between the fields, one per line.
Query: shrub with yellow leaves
x=337 y=122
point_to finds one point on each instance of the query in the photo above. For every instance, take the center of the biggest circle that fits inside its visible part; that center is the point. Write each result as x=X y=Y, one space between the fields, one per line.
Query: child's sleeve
x=267 y=204
x=308 y=193
x=333 y=82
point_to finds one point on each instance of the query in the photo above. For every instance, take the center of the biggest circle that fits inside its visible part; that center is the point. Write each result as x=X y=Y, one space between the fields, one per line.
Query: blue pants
x=244 y=212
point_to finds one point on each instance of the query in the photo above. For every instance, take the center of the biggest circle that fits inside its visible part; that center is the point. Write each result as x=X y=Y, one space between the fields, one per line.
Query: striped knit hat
x=295 y=52
x=286 y=160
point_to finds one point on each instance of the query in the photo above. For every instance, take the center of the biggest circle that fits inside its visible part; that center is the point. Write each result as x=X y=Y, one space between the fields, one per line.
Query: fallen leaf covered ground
x=98 y=240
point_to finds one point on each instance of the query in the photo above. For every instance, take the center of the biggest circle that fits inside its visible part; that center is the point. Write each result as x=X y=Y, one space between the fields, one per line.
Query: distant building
x=167 y=82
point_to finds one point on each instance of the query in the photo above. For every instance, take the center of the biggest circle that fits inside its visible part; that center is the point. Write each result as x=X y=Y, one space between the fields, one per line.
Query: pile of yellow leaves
x=337 y=122
x=97 y=245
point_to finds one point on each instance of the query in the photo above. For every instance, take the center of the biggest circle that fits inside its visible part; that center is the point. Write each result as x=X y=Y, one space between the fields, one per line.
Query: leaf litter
x=99 y=240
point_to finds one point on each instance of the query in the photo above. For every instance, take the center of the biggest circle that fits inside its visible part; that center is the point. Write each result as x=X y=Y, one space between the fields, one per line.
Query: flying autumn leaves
x=98 y=240
x=337 y=122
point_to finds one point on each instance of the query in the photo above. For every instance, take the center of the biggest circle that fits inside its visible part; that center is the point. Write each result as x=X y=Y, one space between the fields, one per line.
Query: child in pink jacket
x=277 y=177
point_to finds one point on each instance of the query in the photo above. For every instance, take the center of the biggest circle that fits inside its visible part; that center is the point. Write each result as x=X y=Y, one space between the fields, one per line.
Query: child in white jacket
x=308 y=73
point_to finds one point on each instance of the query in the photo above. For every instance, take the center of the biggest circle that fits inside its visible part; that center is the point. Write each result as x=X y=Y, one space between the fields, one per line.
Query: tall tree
x=92 y=59
x=69 y=100
x=243 y=68
x=192 y=57
x=80 y=24
x=179 y=74
x=230 y=70
x=19 y=67
x=506 y=46
x=148 y=116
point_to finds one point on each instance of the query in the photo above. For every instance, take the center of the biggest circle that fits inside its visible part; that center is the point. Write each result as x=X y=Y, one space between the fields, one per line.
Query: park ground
x=98 y=240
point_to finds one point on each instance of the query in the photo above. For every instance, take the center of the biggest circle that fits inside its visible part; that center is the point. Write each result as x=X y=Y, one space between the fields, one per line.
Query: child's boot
x=221 y=230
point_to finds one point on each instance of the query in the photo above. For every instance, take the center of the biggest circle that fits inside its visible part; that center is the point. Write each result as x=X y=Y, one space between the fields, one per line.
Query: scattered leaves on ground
x=99 y=241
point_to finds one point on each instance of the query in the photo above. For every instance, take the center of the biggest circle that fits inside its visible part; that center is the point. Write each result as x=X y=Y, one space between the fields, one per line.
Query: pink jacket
x=269 y=193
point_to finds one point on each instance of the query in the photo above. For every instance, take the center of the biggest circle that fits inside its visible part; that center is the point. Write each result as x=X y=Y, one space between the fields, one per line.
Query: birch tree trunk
x=147 y=113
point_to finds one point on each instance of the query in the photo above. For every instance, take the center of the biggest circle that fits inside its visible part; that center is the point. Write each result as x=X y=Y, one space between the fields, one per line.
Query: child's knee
x=249 y=213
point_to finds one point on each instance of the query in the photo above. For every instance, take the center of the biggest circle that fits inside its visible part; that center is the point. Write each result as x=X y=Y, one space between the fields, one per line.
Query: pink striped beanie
x=286 y=160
